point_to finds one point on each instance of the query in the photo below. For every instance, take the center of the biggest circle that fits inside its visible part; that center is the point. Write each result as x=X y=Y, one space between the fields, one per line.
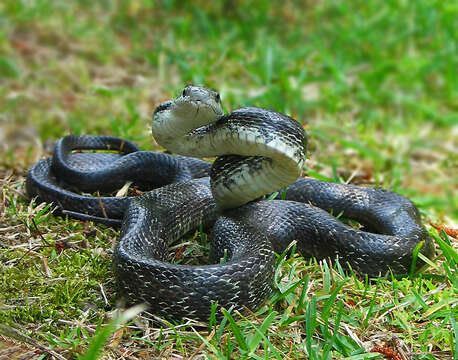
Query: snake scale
x=257 y=152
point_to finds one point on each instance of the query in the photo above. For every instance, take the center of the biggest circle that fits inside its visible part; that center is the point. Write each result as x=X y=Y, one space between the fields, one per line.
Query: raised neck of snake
x=258 y=151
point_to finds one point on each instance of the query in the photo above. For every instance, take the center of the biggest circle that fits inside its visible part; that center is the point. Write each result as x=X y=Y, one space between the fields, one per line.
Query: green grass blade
x=101 y=336
x=259 y=335
x=235 y=330
x=449 y=252
x=415 y=253
x=365 y=356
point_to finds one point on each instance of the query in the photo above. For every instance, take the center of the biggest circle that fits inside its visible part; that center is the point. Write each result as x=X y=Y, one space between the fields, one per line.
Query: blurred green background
x=373 y=82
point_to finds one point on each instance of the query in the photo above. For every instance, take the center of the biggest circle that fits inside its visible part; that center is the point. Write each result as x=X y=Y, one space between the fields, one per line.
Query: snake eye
x=184 y=92
x=217 y=98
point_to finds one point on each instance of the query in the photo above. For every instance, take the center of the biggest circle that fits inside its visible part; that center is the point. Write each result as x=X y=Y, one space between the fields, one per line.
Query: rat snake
x=258 y=151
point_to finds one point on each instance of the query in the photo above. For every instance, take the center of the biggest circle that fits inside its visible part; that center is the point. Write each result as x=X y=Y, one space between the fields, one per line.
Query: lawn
x=373 y=83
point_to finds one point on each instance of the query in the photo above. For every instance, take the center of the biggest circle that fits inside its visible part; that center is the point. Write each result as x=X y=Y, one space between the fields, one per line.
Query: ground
x=373 y=83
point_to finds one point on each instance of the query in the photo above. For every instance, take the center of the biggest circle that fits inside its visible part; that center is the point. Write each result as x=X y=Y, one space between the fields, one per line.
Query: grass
x=374 y=84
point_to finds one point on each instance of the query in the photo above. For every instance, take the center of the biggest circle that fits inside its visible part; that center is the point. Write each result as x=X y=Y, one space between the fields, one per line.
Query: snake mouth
x=196 y=106
x=202 y=104
x=164 y=106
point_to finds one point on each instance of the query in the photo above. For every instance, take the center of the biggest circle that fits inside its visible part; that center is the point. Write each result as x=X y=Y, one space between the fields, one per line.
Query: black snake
x=258 y=151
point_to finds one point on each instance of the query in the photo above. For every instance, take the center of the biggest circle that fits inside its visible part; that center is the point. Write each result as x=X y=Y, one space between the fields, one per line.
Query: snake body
x=258 y=151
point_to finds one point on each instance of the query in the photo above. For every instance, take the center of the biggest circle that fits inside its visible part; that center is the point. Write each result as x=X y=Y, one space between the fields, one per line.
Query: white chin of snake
x=171 y=126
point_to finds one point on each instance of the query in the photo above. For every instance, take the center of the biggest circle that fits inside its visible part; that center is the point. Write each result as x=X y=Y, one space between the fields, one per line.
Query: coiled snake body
x=258 y=151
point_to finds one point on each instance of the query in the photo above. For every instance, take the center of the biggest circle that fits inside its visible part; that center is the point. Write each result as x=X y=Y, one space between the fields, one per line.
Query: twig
x=101 y=206
x=17 y=335
x=353 y=335
x=201 y=346
x=103 y=294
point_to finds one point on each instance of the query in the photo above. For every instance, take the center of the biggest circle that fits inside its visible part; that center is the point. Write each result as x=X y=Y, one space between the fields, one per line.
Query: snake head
x=196 y=104
x=195 y=107
x=199 y=100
